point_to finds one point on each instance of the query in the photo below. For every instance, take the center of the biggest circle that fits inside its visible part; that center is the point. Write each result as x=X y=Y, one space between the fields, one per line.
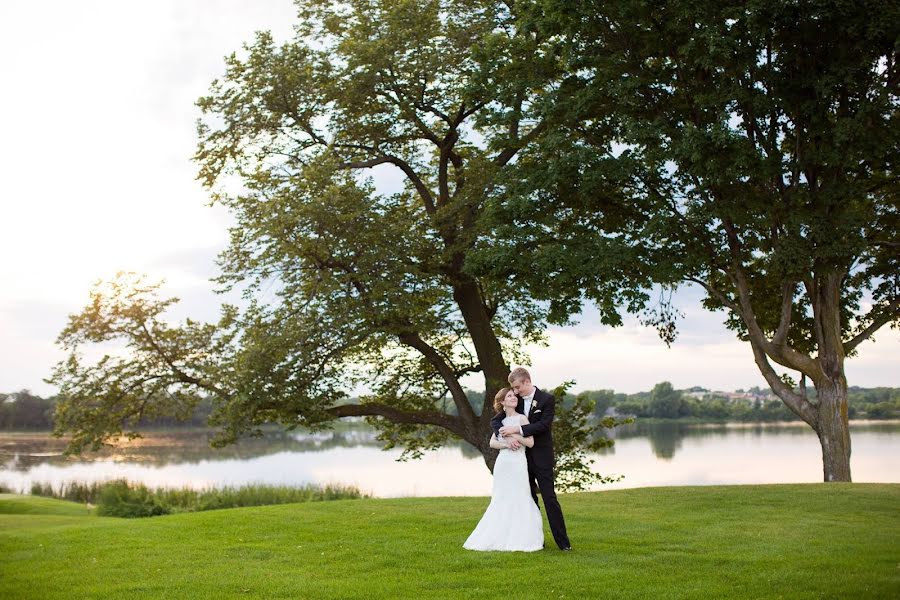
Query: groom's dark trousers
x=541 y=460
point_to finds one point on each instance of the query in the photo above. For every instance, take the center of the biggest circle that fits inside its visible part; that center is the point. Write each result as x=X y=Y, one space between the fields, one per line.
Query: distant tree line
x=23 y=410
x=665 y=402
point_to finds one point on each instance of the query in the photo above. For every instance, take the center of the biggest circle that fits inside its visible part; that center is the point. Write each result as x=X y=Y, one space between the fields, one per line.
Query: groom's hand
x=509 y=429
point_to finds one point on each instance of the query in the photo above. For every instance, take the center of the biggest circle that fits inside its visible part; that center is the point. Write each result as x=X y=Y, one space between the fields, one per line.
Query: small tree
x=574 y=435
x=666 y=402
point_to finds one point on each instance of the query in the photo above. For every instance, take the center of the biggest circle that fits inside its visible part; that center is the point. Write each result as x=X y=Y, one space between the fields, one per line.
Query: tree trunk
x=829 y=415
x=833 y=428
x=481 y=441
x=478 y=323
x=832 y=422
x=487 y=348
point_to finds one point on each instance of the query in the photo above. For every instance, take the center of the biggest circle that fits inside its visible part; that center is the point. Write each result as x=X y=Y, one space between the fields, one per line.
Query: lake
x=647 y=454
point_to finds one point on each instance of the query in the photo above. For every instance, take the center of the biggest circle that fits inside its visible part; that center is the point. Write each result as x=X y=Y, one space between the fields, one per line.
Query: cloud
x=632 y=359
x=37 y=320
x=697 y=326
x=197 y=262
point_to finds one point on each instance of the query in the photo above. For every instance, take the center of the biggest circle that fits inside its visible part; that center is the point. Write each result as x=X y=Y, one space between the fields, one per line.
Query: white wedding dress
x=512 y=520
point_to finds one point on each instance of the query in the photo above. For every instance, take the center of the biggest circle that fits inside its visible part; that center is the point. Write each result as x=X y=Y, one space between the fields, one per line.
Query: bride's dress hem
x=504 y=549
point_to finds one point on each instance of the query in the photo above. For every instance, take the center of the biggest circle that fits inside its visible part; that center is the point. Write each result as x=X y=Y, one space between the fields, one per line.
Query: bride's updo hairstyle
x=498 y=399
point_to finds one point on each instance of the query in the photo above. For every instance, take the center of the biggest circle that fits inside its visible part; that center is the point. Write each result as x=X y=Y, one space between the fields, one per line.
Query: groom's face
x=522 y=387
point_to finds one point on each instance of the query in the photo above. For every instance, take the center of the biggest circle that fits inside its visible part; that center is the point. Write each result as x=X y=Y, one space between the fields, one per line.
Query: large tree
x=757 y=143
x=370 y=287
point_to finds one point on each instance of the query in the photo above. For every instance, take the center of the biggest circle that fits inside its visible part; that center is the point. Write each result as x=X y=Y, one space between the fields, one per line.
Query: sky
x=97 y=122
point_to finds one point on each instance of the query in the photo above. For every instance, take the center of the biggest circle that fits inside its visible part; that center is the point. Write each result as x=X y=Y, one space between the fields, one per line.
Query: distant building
x=741 y=396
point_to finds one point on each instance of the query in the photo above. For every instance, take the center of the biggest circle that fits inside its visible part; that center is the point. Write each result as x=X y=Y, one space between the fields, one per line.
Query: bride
x=512 y=520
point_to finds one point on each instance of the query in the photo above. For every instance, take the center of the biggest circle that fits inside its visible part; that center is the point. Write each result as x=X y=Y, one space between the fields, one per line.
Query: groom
x=539 y=407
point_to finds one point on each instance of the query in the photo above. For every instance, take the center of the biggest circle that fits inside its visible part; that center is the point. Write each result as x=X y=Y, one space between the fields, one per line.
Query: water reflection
x=646 y=453
x=24 y=450
x=666 y=437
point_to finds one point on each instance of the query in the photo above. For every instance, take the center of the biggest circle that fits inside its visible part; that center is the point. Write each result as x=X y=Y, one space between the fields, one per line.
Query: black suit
x=540 y=458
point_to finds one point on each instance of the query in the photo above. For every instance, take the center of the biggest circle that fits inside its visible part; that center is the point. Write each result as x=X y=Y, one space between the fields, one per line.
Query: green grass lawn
x=773 y=541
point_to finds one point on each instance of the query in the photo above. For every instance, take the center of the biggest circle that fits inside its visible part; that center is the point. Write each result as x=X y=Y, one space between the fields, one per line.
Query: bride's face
x=510 y=399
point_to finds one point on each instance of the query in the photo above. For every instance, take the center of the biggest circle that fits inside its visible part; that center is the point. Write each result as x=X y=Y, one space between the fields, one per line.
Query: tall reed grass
x=121 y=498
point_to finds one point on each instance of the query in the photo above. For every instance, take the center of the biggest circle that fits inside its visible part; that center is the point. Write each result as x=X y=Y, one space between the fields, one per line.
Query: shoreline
x=277 y=428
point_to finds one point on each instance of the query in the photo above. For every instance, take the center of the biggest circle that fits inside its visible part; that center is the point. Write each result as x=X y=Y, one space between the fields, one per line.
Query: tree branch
x=413 y=340
x=426 y=131
x=802 y=407
x=395 y=415
x=182 y=376
x=506 y=155
x=889 y=314
x=782 y=353
x=463 y=114
x=423 y=190
x=446 y=149
x=381 y=158
x=787 y=304
x=715 y=292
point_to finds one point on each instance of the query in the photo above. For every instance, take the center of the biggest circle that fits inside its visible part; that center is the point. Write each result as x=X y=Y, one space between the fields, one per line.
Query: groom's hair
x=518 y=374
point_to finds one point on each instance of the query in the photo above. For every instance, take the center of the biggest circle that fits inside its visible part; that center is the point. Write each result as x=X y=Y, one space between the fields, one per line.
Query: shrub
x=75 y=491
x=119 y=499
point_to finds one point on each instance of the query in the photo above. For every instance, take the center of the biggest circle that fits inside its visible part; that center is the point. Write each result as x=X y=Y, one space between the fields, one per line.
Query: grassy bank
x=779 y=541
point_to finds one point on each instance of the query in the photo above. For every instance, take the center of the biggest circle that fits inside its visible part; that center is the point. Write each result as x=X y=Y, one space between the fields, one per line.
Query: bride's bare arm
x=525 y=441
x=498 y=444
x=503 y=441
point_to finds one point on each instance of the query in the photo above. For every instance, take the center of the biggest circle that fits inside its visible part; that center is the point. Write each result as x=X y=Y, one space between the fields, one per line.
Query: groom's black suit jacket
x=540 y=423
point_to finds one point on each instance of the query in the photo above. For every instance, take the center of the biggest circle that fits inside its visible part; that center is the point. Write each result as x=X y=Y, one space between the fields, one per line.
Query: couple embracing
x=521 y=428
